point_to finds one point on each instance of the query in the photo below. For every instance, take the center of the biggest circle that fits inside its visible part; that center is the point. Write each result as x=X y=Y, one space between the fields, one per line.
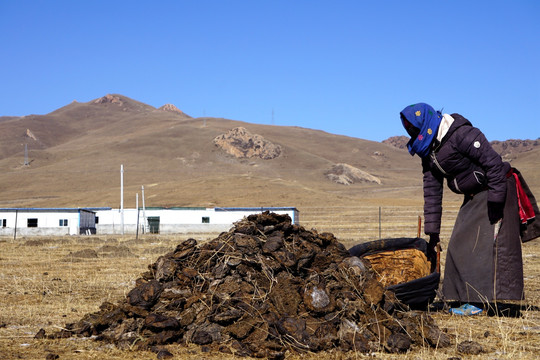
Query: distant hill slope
x=397 y=141
x=78 y=120
x=75 y=154
x=509 y=149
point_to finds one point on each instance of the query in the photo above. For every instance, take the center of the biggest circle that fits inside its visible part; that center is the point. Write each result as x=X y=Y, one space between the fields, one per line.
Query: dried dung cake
x=263 y=288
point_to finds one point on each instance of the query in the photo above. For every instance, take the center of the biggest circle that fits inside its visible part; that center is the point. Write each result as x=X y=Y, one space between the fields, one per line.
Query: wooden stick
x=438 y=258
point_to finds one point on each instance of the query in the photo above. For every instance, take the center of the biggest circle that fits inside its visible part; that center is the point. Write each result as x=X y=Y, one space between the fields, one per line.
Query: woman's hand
x=495 y=211
x=434 y=240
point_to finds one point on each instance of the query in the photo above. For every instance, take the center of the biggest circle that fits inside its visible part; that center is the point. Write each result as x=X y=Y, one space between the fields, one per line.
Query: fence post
x=379 y=222
x=15 y=231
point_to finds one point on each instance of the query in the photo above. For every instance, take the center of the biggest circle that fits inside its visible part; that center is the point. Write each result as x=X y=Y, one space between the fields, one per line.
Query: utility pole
x=122 y=196
x=26 y=163
x=137 y=206
x=143 y=210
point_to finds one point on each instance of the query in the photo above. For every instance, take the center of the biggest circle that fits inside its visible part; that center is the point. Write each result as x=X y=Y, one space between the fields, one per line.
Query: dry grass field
x=51 y=281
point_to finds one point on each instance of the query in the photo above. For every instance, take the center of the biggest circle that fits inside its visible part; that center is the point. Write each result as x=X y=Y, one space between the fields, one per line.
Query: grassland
x=75 y=155
x=51 y=281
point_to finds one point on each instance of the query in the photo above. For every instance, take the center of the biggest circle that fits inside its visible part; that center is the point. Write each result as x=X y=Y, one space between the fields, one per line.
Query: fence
x=354 y=224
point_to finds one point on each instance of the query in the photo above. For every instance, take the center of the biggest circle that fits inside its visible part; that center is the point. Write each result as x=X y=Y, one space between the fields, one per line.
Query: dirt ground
x=48 y=282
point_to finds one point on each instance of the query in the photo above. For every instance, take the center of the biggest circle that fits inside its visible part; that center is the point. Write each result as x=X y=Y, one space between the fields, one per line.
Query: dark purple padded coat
x=467 y=161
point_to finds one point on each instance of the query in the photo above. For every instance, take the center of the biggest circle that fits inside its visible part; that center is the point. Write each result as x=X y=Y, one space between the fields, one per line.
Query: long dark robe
x=530 y=230
x=479 y=266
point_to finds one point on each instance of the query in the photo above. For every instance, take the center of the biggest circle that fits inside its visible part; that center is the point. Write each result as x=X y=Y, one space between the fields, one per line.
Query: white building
x=177 y=220
x=46 y=221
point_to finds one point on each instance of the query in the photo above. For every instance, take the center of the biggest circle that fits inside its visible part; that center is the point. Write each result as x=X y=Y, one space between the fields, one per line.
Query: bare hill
x=75 y=155
x=509 y=149
x=398 y=141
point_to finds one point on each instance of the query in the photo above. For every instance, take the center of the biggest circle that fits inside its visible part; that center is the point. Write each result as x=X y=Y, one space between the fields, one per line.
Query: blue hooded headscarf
x=426 y=122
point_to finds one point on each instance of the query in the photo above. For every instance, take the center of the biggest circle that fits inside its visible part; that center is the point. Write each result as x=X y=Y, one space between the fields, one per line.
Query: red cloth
x=526 y=211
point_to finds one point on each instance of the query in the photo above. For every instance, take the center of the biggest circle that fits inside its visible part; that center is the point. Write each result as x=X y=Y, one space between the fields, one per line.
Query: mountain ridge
x=508 y=149
x=76 y=152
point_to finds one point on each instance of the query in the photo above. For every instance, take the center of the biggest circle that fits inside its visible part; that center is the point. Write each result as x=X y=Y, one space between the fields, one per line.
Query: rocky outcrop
x=397 y=141
x=171 y=108
x=112 y=99
x=346 y=174
x=30 y=135
x=242 y=144
x=508 y=149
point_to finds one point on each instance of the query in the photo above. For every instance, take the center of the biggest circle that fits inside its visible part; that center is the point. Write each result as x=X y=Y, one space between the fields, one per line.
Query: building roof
x=261 y=208
x=54 y=209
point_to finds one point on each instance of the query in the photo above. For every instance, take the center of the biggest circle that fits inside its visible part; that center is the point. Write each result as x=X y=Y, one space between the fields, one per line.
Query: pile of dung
x=264 y=288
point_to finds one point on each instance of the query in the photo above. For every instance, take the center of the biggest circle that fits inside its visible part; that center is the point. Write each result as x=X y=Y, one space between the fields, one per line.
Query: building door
x=153 y=224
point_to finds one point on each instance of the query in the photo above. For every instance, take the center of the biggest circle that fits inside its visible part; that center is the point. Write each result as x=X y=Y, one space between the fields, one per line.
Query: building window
x=206 y=220
x=32 y=222
x=63 y=222
x=97 y=220
x=3 y=222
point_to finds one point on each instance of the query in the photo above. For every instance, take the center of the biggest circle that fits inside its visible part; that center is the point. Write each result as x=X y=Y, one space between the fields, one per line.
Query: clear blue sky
x=345 y=67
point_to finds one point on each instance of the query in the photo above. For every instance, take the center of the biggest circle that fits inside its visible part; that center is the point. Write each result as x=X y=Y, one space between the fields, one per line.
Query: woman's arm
x=433 y=193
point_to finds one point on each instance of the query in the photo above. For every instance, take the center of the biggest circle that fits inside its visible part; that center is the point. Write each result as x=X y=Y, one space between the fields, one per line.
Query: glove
x=432 y=250
x=434 y=239
x=495 y=211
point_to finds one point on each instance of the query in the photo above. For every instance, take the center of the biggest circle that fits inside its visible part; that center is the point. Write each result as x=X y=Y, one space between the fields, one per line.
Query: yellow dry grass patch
x=396 y=267
x=48 y=282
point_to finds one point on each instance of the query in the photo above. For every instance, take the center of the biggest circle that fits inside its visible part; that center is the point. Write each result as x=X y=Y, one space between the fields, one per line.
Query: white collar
x=445 y=124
